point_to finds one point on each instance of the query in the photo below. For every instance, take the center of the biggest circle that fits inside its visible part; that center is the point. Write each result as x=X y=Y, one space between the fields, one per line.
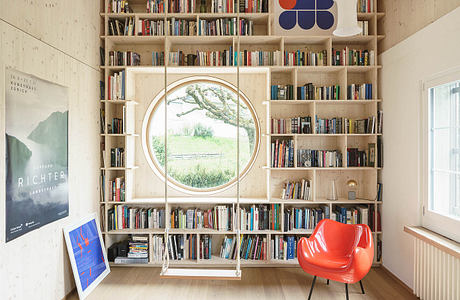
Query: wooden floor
x=256 y=284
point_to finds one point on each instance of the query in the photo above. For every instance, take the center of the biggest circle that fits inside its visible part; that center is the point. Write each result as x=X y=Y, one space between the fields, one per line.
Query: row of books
x=260 y=217
x=117 y=157
x=311 y=92
x=365 y=6
x=222 y=26
x=300 y=190
x=283 y=247
x=282 y=92
x=117 y=126
x=353 y=57
x=118 y=6
x=155 y=6
x=116 y=86
x=158 y=247
x=359 y=91
x=205 y=247
x=222 y=6
x=253 y=6
x=364 y=25
x=151 y=27
x=282 y=154
x=158 y=58
x=202 y=58
x=352 y=215
x=305 y=58
x=181 y=6
x=181 y=247
x=117 y=189
x=181 y=27
x=124 y=58
x=102 y=116
x=125 y=217
x=305 y=217
x=361 y=158
x=297 y=125
x=340 y=125
x=260 y=58
x=121 y=27
x=330 y=126
x=252 y=247
x=319 y=158
x=220 y=218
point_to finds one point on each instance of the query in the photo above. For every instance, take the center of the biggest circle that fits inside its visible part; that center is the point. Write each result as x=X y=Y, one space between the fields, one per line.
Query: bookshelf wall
x=279 y=73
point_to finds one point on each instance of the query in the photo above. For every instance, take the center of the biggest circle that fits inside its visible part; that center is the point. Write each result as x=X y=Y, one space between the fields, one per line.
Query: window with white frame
x=441 y=210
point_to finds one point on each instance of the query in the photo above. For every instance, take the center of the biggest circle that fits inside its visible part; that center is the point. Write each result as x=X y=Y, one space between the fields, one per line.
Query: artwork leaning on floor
x=36 y=153
x=87 y=254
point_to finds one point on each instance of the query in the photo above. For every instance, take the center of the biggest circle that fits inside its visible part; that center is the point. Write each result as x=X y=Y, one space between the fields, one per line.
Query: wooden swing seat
x=205 y=274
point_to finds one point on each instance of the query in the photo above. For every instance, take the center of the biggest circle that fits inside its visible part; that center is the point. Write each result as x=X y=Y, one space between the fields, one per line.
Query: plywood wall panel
x=36 y=266
x=404 y=18
x=70 y=26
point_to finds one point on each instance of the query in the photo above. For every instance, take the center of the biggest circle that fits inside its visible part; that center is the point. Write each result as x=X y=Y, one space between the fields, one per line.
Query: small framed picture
x=87 y=254
x=371 y=161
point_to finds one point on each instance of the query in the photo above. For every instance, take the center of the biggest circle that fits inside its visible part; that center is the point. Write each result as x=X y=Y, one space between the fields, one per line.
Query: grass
x=213 y=166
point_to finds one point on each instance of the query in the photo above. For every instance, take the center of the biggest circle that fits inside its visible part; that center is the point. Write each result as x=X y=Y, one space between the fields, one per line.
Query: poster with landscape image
x=36 y=153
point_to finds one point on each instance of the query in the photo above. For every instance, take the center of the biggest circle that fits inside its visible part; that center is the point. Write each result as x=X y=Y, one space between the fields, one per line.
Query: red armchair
x=337 y=251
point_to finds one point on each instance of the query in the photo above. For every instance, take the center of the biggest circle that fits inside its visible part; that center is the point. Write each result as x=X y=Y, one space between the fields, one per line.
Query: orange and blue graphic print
x=306 y=13
x=87 y=251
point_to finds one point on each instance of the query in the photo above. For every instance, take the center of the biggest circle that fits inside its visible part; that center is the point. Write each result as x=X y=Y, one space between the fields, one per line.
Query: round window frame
x=152 y=159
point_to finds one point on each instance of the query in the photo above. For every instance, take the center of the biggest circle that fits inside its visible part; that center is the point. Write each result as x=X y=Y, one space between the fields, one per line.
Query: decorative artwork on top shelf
x=36 y=153
x=305 y=17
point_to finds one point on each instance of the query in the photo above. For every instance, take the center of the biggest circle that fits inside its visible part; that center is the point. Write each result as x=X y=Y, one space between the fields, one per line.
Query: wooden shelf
x=295 y=75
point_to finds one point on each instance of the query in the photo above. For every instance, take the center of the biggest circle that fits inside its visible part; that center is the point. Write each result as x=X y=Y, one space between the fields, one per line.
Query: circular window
x=202 y=136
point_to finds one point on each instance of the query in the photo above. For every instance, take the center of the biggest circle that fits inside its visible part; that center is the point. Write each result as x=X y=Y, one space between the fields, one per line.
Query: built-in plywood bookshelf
x=279 y=71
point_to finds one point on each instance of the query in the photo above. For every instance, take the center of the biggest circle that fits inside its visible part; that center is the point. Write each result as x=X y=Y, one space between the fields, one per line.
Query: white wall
x=429 y=51
x=56 y=41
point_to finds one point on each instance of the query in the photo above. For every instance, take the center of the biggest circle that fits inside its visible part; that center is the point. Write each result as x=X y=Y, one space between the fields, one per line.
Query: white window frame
x=442 y=224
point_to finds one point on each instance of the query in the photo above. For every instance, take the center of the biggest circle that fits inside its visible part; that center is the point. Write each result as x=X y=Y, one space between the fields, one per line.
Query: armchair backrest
x=340 y=239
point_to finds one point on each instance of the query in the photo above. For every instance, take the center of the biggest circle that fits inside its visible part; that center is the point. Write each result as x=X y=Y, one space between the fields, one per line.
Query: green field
x=201 y=162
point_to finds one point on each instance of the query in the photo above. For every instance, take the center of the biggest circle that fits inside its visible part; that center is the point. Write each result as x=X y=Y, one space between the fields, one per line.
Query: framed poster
x=87 y=254
x=305 y=17
x=36 y=136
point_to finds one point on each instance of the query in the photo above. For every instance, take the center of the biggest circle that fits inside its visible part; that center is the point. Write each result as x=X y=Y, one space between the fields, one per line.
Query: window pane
x=444 y=160
x=441 y=149
x=441 y=192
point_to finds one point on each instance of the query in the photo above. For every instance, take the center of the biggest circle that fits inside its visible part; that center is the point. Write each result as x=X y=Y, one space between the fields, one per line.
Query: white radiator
x=436 y=273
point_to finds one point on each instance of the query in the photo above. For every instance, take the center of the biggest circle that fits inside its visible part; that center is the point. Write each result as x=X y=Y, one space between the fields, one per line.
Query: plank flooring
x=256 y=284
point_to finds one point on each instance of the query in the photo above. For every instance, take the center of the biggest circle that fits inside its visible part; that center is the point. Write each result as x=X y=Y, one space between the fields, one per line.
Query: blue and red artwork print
x=306 y=13
x=87 y=251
